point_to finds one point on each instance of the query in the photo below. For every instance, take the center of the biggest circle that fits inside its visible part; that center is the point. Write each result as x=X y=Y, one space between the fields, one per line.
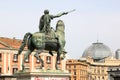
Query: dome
x=97 y=51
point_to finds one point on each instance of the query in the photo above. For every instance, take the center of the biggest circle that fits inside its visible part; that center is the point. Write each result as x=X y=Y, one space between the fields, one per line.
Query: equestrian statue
x=46 y=39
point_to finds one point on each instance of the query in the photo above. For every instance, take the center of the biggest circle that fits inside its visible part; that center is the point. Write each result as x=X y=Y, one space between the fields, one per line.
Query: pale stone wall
x=98 y=70
x=7 y=62
x=77 y=69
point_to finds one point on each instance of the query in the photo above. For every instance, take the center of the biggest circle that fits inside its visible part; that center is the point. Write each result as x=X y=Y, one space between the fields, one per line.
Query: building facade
x=10 y=61
x=77 y=69
x=94 y=63
x=100 y=58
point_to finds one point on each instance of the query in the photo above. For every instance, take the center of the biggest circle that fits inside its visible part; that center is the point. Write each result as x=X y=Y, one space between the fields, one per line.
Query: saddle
x=43 y=38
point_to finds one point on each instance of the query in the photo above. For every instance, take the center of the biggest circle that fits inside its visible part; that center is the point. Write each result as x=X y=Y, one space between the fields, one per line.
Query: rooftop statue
x=46 y=39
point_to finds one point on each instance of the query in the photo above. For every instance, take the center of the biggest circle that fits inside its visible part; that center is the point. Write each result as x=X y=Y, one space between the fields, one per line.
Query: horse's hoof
x=58 y=62
x=23 y=67
x=40 y=67
x=56 y=67
x=62 y=58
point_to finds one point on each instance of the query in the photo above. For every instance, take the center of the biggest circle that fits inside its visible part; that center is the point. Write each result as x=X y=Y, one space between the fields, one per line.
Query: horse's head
x=60 y=26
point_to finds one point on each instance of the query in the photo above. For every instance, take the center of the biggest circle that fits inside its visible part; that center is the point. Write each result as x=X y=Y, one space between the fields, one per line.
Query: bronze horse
x=55 y=41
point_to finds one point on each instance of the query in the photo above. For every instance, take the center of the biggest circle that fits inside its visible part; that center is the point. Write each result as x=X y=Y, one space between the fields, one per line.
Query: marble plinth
x=43 y=75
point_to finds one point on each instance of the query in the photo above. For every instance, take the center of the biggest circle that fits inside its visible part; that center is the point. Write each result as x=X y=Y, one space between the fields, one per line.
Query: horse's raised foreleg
x=38 y=58
x=26 y=55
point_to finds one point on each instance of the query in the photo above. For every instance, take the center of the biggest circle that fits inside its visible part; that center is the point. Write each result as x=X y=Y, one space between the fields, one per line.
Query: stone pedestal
x=43 y=75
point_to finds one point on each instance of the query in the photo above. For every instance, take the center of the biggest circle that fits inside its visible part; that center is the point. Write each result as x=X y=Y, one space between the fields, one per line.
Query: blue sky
x=93 y=20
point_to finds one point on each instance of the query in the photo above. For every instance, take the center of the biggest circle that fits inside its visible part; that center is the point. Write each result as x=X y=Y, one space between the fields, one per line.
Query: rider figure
x=45 y=20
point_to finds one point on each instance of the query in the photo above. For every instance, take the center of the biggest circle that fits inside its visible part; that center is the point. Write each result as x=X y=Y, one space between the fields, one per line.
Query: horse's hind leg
x=38 y=57
x=25 y=57
x=58 y=58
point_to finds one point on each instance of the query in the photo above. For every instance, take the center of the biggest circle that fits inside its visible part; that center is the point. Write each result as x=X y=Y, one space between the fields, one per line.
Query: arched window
x=102 y=78
x=15 y=57
x=48 y=59
x=15 y=70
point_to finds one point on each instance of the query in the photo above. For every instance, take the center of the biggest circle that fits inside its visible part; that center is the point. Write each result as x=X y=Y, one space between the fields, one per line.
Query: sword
x=71 y=11
x=68 y=12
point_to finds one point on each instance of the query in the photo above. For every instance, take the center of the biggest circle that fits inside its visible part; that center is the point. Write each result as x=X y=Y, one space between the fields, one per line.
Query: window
x=27 y=60
x=70 y=61
x=98 y=78
x=102 y=70
x=74 y=78
x=0 y=56
x=0 y=70
x=94 y=70
x=69 y=66
x=98 y=71
x=69 y=78
x=102 y=78
x=95 y=78
x=74 y=72
x=74 y=66
x=69 y=71
x=48 y=59
x=15 y=57
x=15 y=70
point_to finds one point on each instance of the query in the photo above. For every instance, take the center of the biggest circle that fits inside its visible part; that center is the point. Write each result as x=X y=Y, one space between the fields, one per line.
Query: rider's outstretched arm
x=60 y=14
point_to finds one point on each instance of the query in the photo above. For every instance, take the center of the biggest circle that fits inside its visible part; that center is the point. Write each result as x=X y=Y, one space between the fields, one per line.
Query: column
x=4 y=63
x=53 y=58
x=32 y=67
x=21 y=58
x=9 y=65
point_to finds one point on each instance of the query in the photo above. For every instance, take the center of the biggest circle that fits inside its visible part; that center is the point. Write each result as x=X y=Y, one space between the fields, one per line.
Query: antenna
x=97 y=37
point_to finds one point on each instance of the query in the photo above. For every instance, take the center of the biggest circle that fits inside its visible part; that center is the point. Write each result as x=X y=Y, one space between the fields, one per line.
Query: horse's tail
x=26 y=37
